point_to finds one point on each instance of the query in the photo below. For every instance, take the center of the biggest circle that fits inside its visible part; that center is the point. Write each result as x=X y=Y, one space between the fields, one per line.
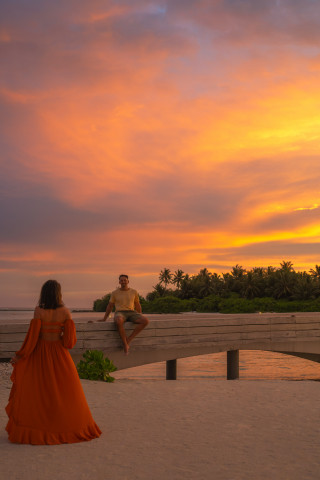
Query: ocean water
x=25 y=315
x=254 y=364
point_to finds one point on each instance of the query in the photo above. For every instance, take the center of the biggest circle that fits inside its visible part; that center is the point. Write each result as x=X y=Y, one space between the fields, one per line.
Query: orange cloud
x=143 y=135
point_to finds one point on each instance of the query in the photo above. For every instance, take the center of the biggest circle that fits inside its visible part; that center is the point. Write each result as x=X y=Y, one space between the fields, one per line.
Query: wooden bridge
x=169 y=337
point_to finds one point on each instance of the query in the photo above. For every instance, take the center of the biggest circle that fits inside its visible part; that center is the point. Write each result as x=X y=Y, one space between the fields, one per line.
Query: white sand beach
x=190 y=429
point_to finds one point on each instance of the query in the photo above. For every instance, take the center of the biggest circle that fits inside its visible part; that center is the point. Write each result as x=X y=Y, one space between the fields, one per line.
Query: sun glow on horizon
x=136 y=136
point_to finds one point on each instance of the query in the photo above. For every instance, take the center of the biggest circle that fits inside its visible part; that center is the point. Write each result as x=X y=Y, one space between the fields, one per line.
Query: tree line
x=240 y=290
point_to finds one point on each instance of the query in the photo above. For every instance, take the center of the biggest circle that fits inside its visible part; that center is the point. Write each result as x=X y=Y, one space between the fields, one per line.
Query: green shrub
x=163 y=305
x=96 y=367
x=209 y=304
x=189 y=305
x=283 y=306
x=236 y=305
x=142 y=301
x=265 y=304
x=100 y=304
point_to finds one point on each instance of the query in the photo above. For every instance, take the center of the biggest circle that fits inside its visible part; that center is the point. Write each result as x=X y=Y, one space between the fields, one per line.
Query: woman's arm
x=30 y=340
x=69 y=337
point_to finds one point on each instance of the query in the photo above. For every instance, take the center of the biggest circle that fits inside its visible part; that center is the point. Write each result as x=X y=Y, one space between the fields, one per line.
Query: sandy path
x=194 y=429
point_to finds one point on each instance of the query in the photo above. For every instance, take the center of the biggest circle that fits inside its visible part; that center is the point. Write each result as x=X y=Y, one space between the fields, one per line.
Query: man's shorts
x=129 y=315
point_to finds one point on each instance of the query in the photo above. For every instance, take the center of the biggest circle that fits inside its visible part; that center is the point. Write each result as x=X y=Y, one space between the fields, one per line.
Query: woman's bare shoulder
x=37 y=312
x=65 y=312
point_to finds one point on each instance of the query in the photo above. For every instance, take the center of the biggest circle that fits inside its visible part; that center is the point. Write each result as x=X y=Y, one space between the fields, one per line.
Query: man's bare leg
x=119 y=321
x=141 y=323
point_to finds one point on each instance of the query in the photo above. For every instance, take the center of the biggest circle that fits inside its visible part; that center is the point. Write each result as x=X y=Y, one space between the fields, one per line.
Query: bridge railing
x=170 y=337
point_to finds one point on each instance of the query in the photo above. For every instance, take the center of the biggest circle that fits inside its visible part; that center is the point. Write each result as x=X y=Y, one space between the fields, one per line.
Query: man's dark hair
x=123 y=275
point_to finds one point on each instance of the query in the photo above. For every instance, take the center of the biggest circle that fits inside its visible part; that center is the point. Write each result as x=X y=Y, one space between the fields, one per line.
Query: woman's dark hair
x=50 y=295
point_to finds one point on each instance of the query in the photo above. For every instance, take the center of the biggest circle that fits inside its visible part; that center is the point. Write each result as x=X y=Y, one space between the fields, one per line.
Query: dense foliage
x=100 y=304
x=95 y=367
x=257 y=290
x=232 y=304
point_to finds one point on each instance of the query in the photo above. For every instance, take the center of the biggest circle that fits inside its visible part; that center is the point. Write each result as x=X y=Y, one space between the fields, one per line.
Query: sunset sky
x=138 y=135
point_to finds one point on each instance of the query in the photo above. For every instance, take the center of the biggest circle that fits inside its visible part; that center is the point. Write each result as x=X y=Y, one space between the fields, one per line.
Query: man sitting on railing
x=128 y=309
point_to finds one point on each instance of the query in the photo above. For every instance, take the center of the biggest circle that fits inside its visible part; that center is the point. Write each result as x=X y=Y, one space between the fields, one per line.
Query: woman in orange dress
x=47 y=405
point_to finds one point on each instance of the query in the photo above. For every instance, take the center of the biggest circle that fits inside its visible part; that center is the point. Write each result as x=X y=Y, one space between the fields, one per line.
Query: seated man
x=128 y=308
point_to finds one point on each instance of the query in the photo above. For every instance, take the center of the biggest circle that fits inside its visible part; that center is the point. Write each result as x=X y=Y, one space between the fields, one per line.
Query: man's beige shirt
x=124 y=299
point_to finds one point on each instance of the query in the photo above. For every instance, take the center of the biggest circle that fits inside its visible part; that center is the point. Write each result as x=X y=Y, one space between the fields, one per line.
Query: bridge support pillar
x=171 y=370
x=232 y=364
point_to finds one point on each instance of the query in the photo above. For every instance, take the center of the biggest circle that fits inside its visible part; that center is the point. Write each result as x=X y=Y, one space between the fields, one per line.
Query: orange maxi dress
x=47 y=405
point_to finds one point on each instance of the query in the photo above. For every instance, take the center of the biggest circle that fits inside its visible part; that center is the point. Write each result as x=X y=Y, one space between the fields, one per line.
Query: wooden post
x=171 y=370
x=232 y=364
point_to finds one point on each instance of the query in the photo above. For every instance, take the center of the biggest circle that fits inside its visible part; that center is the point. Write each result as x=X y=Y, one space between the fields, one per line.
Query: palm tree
x=269 y=281
x=251 y=285
x=204 y=272
x=201 y=283
x=305 y=287
x=205 y=286
x=286 y=266
x=158 y=291
x=284 y=280
x=315 y=272
x=233 y=280
x=227 y=282
x=260 y=271
x=238 y=271
x=165 y=277
x=186 y=288
x=270 y=270
x=178 y=276
x=217 y=284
